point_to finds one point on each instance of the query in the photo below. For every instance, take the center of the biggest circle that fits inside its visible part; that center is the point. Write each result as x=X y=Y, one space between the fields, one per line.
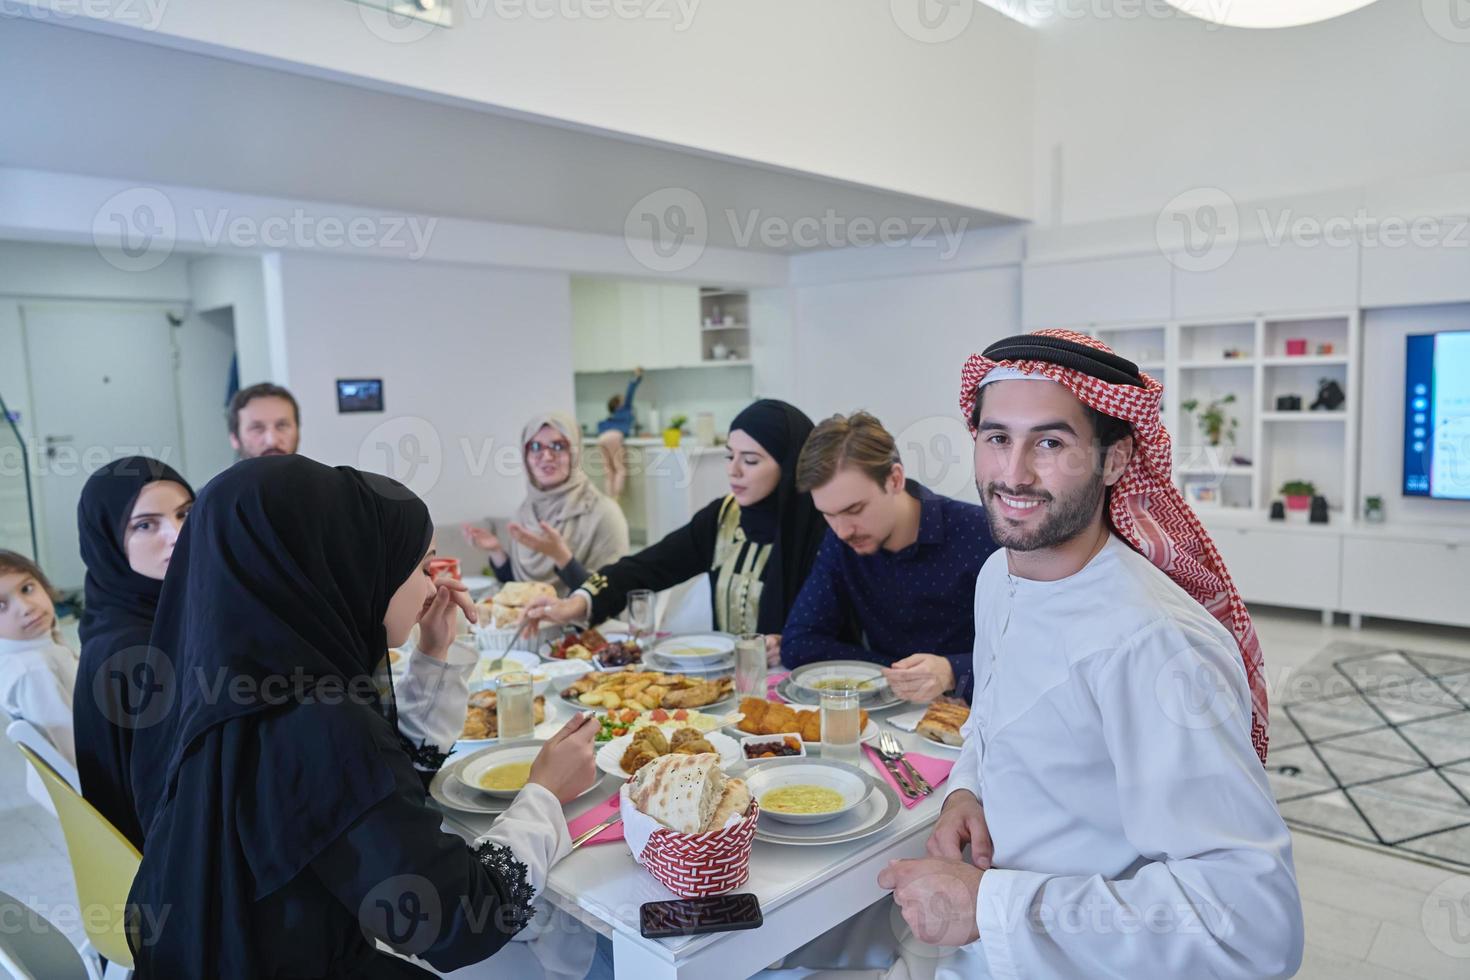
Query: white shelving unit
x=1190 y=358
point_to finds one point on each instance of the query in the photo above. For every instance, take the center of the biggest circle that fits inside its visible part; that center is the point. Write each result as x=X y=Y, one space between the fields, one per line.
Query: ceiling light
x=1267 y=13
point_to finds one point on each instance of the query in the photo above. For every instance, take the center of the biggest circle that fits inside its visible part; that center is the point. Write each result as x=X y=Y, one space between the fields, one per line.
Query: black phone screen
x=691 y=916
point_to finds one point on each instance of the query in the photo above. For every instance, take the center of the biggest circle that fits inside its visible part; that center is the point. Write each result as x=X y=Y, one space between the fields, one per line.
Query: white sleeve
x=432 y=696
x=966 y=771
x=43 y=701
x=535 y=829
x=1216 y=893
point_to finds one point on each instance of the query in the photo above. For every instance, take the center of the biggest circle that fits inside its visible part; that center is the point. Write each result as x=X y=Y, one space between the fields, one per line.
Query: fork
x=889 y=749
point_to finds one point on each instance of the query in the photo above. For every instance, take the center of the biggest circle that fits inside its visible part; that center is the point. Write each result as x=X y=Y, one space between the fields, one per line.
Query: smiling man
x=1110 y=792
x=898 y=560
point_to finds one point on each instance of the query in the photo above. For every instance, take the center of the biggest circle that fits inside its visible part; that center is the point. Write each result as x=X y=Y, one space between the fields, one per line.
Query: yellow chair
x=103 y=864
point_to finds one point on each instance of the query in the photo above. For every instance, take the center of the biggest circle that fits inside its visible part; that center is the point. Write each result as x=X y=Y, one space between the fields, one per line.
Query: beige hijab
x=593 y=525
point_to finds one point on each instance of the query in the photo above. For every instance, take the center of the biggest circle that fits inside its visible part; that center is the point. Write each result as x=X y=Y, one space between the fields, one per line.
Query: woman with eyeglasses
x=565 y=526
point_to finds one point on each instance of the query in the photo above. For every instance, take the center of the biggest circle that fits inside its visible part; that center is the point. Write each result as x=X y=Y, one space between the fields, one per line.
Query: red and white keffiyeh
x=1146 y=508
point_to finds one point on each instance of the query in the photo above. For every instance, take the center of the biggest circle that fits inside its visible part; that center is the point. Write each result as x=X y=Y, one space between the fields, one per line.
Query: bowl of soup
x=501 y=771
x=804 y=790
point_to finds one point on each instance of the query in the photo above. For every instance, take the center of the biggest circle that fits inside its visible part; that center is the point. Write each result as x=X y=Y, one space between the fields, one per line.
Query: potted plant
x=1373 y=510
x=1213 y=421
x=675 y=431
x=1298 y=494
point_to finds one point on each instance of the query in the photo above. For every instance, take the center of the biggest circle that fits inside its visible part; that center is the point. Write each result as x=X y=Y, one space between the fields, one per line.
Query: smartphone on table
x=692 y=916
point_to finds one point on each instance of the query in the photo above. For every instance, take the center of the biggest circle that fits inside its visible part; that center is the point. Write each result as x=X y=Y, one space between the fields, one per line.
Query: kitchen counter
x=657 y=442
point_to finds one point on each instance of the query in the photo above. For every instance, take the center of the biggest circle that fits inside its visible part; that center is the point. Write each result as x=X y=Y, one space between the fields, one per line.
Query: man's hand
x=573 y=609
x=436 y=619
x=920 y=677
x=773 y=649
x=937 y=897
x=549 y=542
x=961 y=822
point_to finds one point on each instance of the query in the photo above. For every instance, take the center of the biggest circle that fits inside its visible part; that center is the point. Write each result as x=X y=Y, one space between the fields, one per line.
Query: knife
x=587 y=835
x=919 y=782
x=903 y=783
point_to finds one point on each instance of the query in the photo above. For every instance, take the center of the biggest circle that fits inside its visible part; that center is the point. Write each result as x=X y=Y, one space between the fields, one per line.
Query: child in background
x=37 y=671
x=611 y=432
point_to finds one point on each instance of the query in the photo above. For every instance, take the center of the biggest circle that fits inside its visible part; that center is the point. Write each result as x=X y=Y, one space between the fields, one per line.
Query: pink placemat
x=595 y=816
x=771 y=682
x=934 y=770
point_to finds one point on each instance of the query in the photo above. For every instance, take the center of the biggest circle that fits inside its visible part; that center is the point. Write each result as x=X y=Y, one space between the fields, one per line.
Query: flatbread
x=735 y=802
x=680 y=791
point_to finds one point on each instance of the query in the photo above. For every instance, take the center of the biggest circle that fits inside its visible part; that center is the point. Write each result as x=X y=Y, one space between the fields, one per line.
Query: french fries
x=646 y=690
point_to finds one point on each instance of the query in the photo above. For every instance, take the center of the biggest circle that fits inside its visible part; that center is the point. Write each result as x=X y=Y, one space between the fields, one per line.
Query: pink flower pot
x=1298 y=503
x=1297 y=347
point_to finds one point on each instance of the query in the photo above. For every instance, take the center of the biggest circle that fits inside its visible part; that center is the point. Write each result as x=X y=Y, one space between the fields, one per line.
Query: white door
x=103 y=386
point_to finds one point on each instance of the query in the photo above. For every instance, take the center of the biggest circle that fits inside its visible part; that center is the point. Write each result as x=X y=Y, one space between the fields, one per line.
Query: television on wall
x=1437 y=415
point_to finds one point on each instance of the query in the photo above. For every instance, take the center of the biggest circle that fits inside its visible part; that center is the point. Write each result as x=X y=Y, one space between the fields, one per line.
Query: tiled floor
x=1368 y=914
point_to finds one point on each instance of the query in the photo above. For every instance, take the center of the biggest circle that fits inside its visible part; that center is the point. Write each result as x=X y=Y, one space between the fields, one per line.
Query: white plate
x=929 y=743
x=558 y=713
x=610 y=756
x=791 y=694
x=448 y=791
x=469 y=775
x=808 y=678
x=851 y=782
x=876 y=813
x=869 y=732
x=702 y=649
x=657 y=661
x=480 y=679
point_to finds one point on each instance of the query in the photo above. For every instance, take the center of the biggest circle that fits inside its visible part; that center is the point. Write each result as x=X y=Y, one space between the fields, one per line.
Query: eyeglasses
x=557 y=448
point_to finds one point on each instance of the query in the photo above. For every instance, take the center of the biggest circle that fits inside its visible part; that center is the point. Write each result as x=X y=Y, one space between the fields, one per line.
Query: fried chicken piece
x=637 y=755
x=752 y=710
x=653 y=737
x=694 y=746
x=779 y=719
x=696 y=695
x=478 y=723
x=684 y=735
x=811 y=726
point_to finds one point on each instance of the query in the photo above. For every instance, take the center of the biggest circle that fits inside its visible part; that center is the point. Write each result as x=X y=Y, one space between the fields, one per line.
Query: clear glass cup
x=841 y=725
x=640 y=614
x=750 y=665
x=515 y=705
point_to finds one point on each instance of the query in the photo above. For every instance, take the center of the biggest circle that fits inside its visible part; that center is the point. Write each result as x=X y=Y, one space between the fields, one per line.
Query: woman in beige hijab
x=565 y=526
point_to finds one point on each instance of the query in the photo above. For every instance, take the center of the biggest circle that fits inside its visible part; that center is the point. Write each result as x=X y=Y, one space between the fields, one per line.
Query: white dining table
x=803 y=890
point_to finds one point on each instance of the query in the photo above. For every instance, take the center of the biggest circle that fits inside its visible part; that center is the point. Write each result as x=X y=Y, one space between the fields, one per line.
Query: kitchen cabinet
x=617 y=325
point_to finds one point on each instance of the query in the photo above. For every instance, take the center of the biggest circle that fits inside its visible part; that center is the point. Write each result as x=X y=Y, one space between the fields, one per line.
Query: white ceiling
x=106 y=106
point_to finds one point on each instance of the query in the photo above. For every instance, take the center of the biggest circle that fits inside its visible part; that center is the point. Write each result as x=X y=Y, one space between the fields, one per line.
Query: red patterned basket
x=696 y=865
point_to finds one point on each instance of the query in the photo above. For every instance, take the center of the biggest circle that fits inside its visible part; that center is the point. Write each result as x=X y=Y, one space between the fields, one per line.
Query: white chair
x=32 y=948
x=22 y=732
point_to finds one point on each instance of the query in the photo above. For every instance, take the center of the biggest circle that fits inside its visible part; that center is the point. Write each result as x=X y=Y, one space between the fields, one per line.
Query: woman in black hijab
x=128 y=520
x=290 y=828
x=757 y=543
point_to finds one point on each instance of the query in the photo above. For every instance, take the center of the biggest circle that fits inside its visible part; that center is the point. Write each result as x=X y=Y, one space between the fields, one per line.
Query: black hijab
x=785 y=517
x=278 y=588
x=116 y=622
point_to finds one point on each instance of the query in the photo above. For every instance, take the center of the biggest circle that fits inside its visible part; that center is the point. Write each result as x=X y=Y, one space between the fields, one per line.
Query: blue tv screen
x=1437 y=416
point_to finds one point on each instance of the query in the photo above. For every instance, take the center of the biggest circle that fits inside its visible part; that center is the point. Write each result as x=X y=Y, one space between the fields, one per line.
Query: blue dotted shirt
x=918 y=600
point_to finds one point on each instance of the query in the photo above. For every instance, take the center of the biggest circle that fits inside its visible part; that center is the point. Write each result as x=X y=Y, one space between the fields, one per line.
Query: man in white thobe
x=1114 y=808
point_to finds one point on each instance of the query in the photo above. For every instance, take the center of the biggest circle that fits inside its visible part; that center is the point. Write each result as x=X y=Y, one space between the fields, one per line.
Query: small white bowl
x=522 y=751
x=766 y=740
x=850 y=781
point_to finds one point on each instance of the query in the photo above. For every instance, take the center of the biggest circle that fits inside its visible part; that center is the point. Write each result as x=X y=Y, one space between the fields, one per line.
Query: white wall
x=1382 y=421
x=1145 y=108
x=206 y=348
x=737 y=80
x=236 y=283
x=465 y=354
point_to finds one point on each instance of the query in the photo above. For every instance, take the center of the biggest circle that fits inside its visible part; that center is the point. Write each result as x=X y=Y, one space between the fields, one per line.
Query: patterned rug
x=1372 y=745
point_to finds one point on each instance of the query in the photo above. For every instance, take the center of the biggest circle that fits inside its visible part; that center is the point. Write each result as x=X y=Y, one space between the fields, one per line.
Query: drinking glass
x=640 y=614
x=841 y=721
x=514 y=704
x=750 y=665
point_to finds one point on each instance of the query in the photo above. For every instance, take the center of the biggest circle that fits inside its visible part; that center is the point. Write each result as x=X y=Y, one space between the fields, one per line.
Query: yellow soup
x=803 y=799
x=511 y=776
x=842 y=683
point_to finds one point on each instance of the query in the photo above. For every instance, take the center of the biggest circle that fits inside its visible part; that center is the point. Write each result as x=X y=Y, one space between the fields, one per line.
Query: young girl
x=37 y=671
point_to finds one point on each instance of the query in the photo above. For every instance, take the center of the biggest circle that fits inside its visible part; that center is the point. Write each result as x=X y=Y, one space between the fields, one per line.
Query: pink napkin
x=934 y=770
x=771 y=681
x=595 y=816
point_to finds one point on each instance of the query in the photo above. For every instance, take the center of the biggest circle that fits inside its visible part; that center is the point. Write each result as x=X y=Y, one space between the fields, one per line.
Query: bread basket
x=690 y=865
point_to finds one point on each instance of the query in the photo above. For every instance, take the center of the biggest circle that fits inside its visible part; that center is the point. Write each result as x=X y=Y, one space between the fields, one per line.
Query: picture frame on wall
x=1202 y=496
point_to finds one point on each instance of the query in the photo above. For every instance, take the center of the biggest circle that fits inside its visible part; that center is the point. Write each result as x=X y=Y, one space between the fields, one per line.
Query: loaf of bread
x=943 y=721
x=680 y=791
x=734 y=803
